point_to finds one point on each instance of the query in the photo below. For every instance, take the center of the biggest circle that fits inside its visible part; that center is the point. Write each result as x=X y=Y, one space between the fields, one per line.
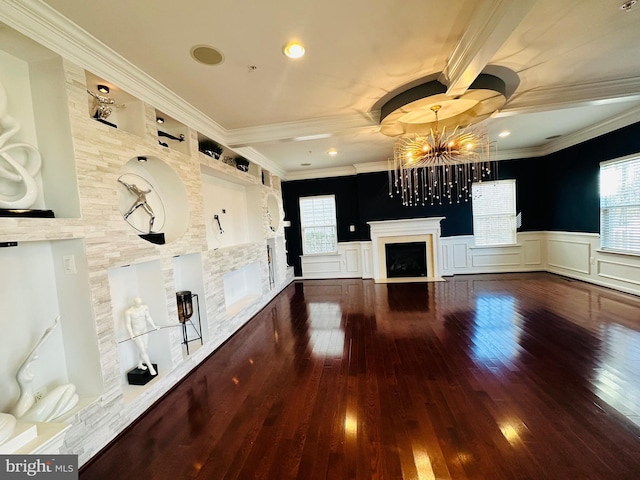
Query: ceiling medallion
x=410 y=111
x=438 y=155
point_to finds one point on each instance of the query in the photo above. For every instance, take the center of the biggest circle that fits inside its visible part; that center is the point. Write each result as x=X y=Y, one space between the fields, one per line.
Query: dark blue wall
x=558 y=192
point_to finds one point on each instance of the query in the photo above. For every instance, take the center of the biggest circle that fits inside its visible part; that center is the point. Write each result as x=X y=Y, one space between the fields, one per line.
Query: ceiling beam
x=491 y=25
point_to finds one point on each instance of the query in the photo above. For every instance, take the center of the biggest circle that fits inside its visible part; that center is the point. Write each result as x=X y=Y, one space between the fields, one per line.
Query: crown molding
x=564 y=96
x=320 y=173
x=43 y=24
x=261 y=160
x=302 y=129
x=623 y=120
x=369 y=167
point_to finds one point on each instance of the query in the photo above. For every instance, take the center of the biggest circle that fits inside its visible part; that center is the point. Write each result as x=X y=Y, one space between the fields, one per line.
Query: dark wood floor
x=511 y=376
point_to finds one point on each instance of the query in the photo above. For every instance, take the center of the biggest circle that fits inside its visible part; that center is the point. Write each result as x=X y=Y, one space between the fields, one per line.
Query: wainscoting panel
x=569 y=254
x=352 y=259
x=460 y=255
x=366 y=259
x=346 y=263
x=532 y=252
x=497 y=259
x=619 y=271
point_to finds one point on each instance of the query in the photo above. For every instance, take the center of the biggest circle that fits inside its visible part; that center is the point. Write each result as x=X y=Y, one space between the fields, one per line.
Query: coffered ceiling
x=570 y=68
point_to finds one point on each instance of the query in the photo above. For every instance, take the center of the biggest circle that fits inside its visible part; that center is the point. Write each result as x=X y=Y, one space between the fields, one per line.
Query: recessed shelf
x=34 y=86
x=143 y=281
x=171 y=133
x=232 y=210
x=242 y=287
x=115 y=109
x=69 y=354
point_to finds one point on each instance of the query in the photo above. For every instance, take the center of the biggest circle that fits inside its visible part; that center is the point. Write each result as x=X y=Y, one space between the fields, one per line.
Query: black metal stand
x=197 y=329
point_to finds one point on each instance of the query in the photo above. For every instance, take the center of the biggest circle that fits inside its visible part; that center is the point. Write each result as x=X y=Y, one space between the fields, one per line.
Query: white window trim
x=609 y=250
x=334 y=225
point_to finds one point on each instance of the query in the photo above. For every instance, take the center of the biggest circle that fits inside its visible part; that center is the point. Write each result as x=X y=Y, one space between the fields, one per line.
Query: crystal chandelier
x=440 y=166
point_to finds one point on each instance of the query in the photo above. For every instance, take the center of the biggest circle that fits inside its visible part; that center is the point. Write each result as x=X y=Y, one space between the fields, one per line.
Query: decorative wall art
x=140 y=205
x=152 y=199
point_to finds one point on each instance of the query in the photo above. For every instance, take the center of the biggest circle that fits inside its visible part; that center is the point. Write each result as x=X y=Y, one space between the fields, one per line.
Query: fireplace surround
x=412 y=230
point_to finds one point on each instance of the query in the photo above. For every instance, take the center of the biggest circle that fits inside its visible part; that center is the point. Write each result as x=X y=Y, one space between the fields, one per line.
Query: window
x=318 y=223
x=494 y=212
x=620 y=205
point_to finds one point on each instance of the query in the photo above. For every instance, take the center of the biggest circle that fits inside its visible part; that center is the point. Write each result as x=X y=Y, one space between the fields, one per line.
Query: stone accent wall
x=100 y=154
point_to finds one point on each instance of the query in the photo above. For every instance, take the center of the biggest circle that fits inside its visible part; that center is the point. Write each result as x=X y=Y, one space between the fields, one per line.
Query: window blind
x=620 y=205
x=494 y=212
x=318 y=222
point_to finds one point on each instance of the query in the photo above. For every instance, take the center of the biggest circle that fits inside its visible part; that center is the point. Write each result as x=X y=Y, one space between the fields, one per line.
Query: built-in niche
x=242 y=287
x=42 y=281
x=144 y=281
x=187 y=271
x=153 y=200
x=171 y=133
x=210 y=147
x=39 y=152
x=111 y=106
x=232 y=210
x=274 y=216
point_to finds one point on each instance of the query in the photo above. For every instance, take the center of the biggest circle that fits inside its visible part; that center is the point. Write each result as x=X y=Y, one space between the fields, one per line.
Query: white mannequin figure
x=136 y=318
x=58 y=401
x=20 y=187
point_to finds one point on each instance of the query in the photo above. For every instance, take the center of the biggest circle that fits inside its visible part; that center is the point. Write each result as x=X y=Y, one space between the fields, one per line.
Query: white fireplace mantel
x=403 y=231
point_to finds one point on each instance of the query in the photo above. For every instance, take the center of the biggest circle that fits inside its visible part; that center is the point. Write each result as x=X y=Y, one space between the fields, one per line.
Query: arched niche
x=153 y=200
x=273 y=210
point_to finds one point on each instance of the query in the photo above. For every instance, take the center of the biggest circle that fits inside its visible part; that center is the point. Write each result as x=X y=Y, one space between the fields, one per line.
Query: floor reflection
x=618 y=377
x=326 y=335
x=496 y=329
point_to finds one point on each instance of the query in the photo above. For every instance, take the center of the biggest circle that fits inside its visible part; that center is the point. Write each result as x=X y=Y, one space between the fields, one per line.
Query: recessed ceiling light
x=504 y=133
x=293 y=50
x=333 y=152
x=553 y=137
x=160 y=120
x=103 y=89
x=207 y=55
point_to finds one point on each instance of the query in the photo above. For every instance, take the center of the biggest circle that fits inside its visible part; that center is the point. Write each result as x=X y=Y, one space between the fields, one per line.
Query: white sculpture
x=136 y=318
x=58 y=401
x=19 y=164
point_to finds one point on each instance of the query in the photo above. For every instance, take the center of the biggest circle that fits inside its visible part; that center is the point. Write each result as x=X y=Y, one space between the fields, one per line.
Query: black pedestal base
x=102 y=120
x=26 y=212
x=137 y=376
x=157 y=238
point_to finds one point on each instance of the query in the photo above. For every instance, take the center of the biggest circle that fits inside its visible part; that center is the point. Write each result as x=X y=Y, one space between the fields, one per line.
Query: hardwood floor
x=506 y=376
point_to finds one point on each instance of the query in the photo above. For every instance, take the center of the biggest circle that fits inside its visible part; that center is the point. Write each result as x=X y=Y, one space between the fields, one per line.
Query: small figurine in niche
x=102 y=105
x=140 y=201
x=136 y=319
